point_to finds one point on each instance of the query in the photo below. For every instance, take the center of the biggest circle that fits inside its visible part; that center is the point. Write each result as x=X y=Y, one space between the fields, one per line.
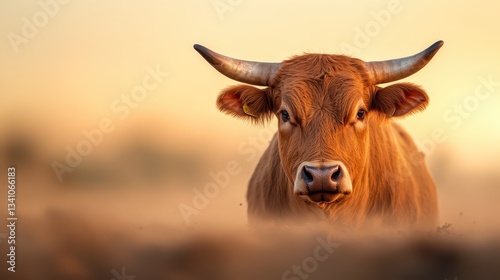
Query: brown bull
x=337 y=153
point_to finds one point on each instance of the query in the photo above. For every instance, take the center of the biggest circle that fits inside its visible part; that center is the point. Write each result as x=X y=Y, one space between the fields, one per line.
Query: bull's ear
x=400 y=99
x=246 y=102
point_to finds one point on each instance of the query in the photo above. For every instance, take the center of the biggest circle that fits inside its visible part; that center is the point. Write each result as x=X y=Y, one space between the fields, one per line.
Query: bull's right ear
x=246 y=102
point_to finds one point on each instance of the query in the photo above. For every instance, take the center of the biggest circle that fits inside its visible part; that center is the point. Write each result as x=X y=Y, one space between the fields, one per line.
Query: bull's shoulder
x=401 y=185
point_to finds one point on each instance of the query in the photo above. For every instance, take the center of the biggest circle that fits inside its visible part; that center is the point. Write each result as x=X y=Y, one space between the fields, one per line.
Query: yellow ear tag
x=246 y=109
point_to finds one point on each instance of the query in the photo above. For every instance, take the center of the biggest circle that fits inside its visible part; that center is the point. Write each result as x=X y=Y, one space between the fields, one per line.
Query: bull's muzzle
x=322 y=181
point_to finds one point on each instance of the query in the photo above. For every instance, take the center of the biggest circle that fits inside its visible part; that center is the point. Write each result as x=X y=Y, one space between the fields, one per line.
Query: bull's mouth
x=324 y=197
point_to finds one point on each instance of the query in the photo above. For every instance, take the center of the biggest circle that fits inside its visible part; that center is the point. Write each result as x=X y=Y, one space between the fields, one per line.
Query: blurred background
x=125 y=73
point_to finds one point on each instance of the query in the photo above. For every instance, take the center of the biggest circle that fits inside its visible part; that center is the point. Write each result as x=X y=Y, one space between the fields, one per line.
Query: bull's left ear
x=400 y=99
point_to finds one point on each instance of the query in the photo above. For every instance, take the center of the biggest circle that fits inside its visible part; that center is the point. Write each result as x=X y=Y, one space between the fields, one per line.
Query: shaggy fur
x=322 y=94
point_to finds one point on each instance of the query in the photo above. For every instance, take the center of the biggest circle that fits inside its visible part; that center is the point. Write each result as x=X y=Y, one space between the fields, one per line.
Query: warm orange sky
x=88 y=53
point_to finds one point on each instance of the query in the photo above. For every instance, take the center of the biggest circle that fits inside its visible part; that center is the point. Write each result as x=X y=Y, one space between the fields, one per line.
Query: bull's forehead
x=331 y=86
x=314 y=66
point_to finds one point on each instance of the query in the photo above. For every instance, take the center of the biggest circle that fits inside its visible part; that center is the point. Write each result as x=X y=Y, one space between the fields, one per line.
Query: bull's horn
x=250 y=72
x=396 y=69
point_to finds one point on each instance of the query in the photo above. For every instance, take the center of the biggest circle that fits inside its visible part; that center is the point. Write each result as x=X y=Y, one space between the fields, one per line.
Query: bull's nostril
x=306 y=176
x=337 y=175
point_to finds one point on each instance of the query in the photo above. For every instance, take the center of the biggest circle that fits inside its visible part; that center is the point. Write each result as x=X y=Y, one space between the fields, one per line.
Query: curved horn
x=250 y=72
x=396 y=69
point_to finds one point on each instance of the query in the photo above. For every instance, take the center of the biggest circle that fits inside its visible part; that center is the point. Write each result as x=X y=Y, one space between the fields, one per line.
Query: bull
x=338 y=154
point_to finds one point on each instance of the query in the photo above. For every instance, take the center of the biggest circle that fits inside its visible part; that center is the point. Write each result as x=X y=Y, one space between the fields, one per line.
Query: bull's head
x=326 y=106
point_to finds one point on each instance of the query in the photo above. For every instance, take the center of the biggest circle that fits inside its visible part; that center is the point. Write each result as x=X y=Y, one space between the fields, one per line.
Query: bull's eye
x=361 y=114
x=285 y=117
